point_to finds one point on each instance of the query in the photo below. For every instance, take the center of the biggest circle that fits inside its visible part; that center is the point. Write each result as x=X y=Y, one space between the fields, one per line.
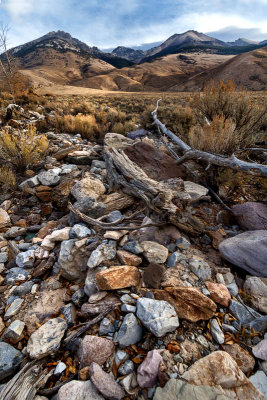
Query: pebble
x=25 y=259
x=105 y=383
x=94 y=348
x=216 y=331
x=60 y=368
x=14 y=308
x=79 y=231
x=147 y=372
x=155 y=252
x=14 y=331
x=126 y=368
x=133 y=247
x=200 y=268
x=106 y=327
x=128 y=308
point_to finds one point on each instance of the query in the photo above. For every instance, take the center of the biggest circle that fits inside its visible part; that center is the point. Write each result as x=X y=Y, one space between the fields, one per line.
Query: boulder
x=240 y=251
x=251 y=216
x=117 y=277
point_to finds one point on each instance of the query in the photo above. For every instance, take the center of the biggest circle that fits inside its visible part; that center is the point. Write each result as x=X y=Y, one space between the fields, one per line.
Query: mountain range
x=182 y=62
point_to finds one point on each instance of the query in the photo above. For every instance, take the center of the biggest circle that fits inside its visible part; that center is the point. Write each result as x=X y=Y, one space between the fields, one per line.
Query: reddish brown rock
x=242 y=357
x=4 y=218
x=128 y=258
x=43 y=192
x=117 y=277
x=219 y=293
x=47 y=229
x=95 y=349
x=189 y=303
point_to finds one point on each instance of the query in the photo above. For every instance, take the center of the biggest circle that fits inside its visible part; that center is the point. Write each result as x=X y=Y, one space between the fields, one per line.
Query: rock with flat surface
x=260 y=350
x=79 y=390
x=216 y=331
x=130 y=331
x=147 y=372
x=95 y=349
x=88 y=187
x=10 y=359
x=105 y=383
x=14 y=308
x=4 y=218
x=15 y=275
x=117 y=277
x=46 y=340
x=240 y=251
x=50 y=177
x=241 y=356
x=153 y=275
x=25 y=259
x=177 y=389
x=189 y=303
x=219 y=370
x=103 y=252
x=257 y=289
x=259 y=380
x=159 y=317
x=14 y=331
x=200 y=268
x=251 y=216
x=155 y=252
x=242 y=313
x=219 y=293
x=127 y=258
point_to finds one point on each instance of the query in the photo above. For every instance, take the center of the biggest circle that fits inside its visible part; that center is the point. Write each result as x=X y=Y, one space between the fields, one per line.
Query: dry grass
x=8 y=177
x=22 y=148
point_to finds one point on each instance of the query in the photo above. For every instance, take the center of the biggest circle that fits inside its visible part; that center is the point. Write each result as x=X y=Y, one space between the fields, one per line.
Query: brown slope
x=159 y=75
x=248 y=70
x=45 y=66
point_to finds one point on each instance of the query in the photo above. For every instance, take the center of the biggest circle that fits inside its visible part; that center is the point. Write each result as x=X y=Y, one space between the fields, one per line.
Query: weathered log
x=216 y=159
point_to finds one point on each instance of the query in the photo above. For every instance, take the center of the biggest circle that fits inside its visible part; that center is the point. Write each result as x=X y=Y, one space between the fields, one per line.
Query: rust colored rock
x=219 y=293
x=242 y=357
x=157 y=164
x=117 y=277
x=127 y=258
x=189 y=303
x=95 y=349
x=47 y=229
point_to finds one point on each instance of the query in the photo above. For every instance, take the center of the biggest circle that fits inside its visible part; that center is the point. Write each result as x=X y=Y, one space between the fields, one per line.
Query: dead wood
x=216 y=159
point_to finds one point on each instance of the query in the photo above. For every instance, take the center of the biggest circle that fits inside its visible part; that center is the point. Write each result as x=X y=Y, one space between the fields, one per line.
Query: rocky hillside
x=100 y=301
x=128 y=53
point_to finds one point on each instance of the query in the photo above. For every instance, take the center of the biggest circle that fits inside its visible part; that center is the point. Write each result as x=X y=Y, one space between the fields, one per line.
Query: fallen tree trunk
x=192 y=154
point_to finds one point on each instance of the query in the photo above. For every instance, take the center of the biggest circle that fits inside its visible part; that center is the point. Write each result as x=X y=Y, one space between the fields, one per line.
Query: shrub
x=219 y=137
x=85 y=125
x=7 y=177
x=22 y=148
x=223 y=100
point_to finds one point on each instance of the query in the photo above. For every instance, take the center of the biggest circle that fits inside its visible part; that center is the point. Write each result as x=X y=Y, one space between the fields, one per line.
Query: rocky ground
x=171 y=316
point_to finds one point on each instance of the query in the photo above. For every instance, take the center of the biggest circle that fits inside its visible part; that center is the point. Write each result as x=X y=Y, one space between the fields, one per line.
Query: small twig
x=90 y=323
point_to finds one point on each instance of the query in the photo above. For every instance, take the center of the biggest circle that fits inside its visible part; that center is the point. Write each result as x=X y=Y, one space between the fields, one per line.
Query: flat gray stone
x=259 y=380
x=25 y=259
x=10 y=359
x=14 y=308
x=242 y=313
x=130 y=331
x=16 y=275
x=216 y=331
x=50 y=177
x=200 y=268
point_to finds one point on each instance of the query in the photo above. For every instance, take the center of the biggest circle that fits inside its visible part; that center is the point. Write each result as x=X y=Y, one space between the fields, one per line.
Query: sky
x=110 y=23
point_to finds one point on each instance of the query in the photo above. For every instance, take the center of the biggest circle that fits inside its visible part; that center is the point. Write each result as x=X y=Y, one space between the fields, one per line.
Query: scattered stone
x=14 y=232
x=189 y=350
x=173 y=259
x=126 y=368
x=60 y=368
x=88 y=187
x=216 y=331
x=128 y=308
x=25 y=259
x=219 y=370
x=260 y=350
x=103 y=252
x=79 y=390
x=257 y=289
x=183 y=244
x=195 y=191
x=105 y=383
x=4 y=219
x=157 y=316
x=200 y=268
x=251 y=216
x=14 y=308
x=178 y=389
x=14 y=332
x=133 y=247
x=95 y=349
x=219 y=293
x=233 y=289
x=240 y=250
x=79 y=231
x=242 y=357
x=127 y=258
x=153 y=275
x=50 y=177
x=130 y=331
x=242 y=313
x=60 y=235
x=259 y=380
x=106 y=327
x=46 y=340
x=3 y=258
x=189 y=303
x=117 y=277
x=10 y=359
x=155 y=252
x=147 y=372
x=258 y=324
x=69 y=312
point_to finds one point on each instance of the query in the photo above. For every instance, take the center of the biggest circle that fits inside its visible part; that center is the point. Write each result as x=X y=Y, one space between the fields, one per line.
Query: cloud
x=133 y=22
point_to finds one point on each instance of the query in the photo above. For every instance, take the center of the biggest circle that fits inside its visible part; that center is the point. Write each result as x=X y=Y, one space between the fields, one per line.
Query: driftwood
x=193 y=154
x=25 y=384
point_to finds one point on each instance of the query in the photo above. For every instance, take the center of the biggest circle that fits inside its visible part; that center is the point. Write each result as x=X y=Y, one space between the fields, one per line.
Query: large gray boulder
x=251 y=216
x=248 y=251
